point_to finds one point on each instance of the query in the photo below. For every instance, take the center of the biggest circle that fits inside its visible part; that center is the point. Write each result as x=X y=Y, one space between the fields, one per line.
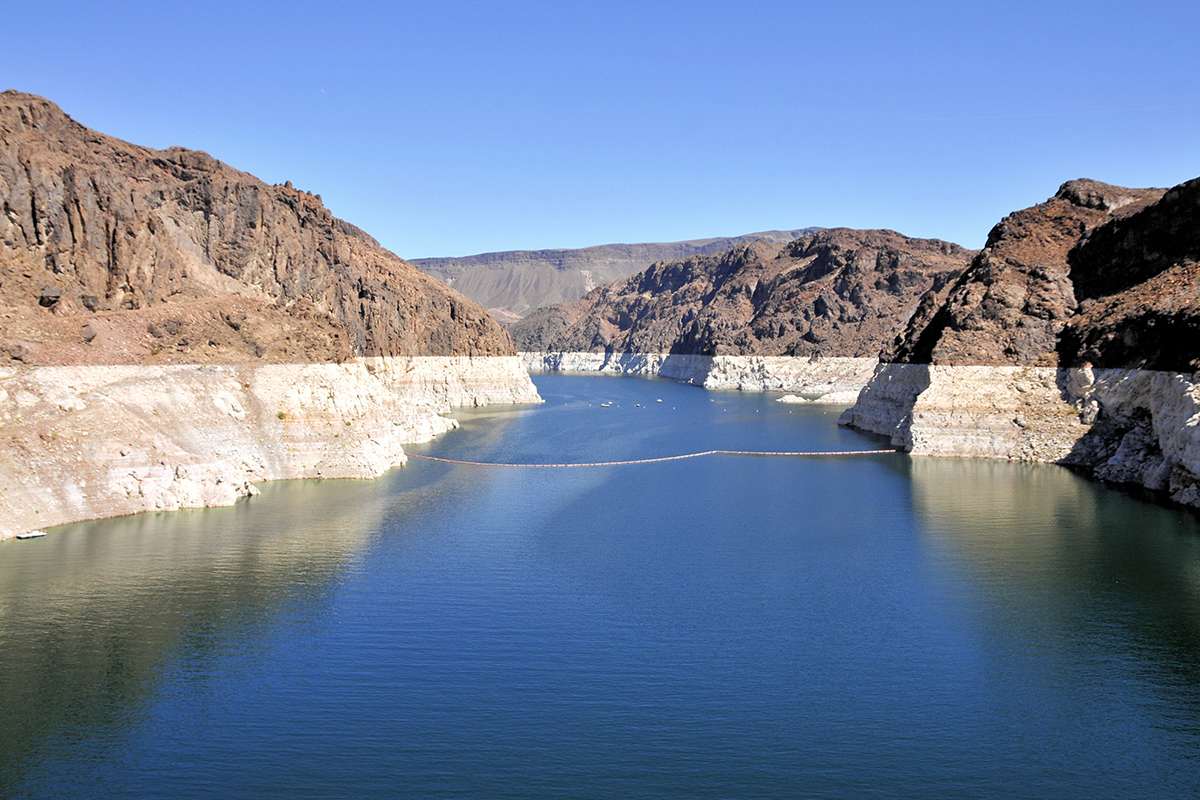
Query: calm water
x=725 y=627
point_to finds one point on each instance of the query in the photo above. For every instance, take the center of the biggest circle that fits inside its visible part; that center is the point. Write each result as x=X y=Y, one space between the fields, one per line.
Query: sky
x=452 y=128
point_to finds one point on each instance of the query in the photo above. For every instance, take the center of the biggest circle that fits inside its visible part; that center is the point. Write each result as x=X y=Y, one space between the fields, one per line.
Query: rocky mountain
x=511 y=284
x=835 y=292
x=115 y=253
x=1137 y=280
x=1011 y=305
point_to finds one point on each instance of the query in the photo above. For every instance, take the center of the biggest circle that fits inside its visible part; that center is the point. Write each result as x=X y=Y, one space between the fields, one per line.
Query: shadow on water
x=94 y=613
x=1107 y=583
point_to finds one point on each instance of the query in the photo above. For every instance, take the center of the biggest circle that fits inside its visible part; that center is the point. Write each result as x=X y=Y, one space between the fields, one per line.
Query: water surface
x=876 y=626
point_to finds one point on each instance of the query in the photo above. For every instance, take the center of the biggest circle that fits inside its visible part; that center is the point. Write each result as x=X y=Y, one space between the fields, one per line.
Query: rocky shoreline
x=90 y=442
x=1132 y=428
x=831 y=379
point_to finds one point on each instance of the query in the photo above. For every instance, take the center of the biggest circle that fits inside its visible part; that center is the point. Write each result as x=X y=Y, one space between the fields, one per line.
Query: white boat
x=31 y=535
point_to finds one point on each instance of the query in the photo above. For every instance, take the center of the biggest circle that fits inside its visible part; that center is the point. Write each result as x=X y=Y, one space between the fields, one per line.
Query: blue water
x=726 y=627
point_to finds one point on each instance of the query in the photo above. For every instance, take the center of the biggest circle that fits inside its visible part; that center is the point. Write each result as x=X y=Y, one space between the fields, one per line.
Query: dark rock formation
x=118 y=230
x=837 y=292
x=1010 y=306
x=513 y=283
x=1138 y=283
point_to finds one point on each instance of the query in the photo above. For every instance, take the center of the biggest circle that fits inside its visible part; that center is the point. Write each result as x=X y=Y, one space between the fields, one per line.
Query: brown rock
x=1138 y=279
x=136 y=229
x=1010 y=306
x=837 y=292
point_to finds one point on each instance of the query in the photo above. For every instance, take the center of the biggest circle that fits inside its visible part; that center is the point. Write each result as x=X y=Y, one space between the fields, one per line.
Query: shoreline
x=833 y=379
x=1131 y=429
x=85 y=443
x=1127 y=428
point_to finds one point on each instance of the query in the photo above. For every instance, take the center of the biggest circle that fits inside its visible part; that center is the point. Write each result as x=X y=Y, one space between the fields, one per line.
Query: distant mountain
x=836 y=292
x=513 y=283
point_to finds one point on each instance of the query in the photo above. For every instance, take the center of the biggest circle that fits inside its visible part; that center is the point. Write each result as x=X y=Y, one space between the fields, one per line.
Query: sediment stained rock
x=100 y=441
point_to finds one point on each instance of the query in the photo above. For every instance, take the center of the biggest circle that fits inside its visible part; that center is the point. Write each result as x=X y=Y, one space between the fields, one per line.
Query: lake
x=724 y=627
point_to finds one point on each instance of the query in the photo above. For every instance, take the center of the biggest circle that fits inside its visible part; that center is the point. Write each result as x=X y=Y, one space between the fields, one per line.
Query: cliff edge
x=1073 y=337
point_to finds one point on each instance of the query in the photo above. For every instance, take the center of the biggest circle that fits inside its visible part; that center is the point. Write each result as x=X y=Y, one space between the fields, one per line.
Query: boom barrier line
x=656 y=460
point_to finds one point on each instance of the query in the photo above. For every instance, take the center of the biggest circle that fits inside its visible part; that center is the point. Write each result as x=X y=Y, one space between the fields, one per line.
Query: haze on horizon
x=457 y=128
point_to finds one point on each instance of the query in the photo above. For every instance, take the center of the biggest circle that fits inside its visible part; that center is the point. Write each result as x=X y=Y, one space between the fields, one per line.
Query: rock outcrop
x=100 y=441
x=173 y=331
x=837 y=292
x=1010 y=306
x=1073 y=338
x=511 y=284
x=91 y=226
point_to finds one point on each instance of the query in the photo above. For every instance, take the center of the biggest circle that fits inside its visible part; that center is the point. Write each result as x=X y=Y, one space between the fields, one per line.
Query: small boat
x=31 y=535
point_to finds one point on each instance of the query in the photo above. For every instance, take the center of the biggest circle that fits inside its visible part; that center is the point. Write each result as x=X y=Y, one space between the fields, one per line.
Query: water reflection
x=1109 y=583
x=90 y=613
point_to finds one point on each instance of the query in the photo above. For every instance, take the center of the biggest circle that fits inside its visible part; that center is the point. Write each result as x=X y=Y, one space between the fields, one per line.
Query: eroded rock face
x=1138 y=282
x=94 y=230
x=836 y=293
x=100 y=441
x=1074 y=337
x=1009 y=307
x=514 y=283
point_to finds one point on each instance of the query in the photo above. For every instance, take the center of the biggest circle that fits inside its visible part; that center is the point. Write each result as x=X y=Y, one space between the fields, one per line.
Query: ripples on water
x=718 y=627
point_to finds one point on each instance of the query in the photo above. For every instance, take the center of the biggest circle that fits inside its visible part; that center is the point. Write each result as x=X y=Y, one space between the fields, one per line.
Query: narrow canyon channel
x=725 y=626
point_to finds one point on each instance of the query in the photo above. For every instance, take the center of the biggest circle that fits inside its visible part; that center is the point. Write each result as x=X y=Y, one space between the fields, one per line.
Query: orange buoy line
x=656 y=460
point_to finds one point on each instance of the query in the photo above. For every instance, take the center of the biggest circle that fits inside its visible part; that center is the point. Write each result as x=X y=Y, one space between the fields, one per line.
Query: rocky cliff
x=838 y=292
x=98 y=234
x=1073 y=337
x=1010 y=306
x=513 y=283
x=173 y=330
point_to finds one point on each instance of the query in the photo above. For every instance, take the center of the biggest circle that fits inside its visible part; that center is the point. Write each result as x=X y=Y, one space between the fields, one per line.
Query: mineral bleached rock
x=90 y=442
x=1071 y=338
x=811 y=376
x=1136 y=427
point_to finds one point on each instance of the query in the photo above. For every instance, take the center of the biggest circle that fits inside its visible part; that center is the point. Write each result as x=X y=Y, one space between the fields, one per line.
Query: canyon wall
x=87 y=442
x=173 y=330
x=513 y=283
x=838 y=292
x=1074 y=337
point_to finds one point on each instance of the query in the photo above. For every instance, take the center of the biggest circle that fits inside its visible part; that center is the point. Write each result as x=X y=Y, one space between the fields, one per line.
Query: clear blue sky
x=449 y=128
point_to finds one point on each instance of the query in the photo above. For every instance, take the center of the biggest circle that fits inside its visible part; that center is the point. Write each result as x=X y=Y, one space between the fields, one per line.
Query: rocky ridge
x=1074 y=337
x=96 y=230
x=513 y=283
x=837 y=292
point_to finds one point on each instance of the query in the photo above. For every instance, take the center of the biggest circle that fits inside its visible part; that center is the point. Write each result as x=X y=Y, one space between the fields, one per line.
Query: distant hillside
x=837 y=292
x=513 y=283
